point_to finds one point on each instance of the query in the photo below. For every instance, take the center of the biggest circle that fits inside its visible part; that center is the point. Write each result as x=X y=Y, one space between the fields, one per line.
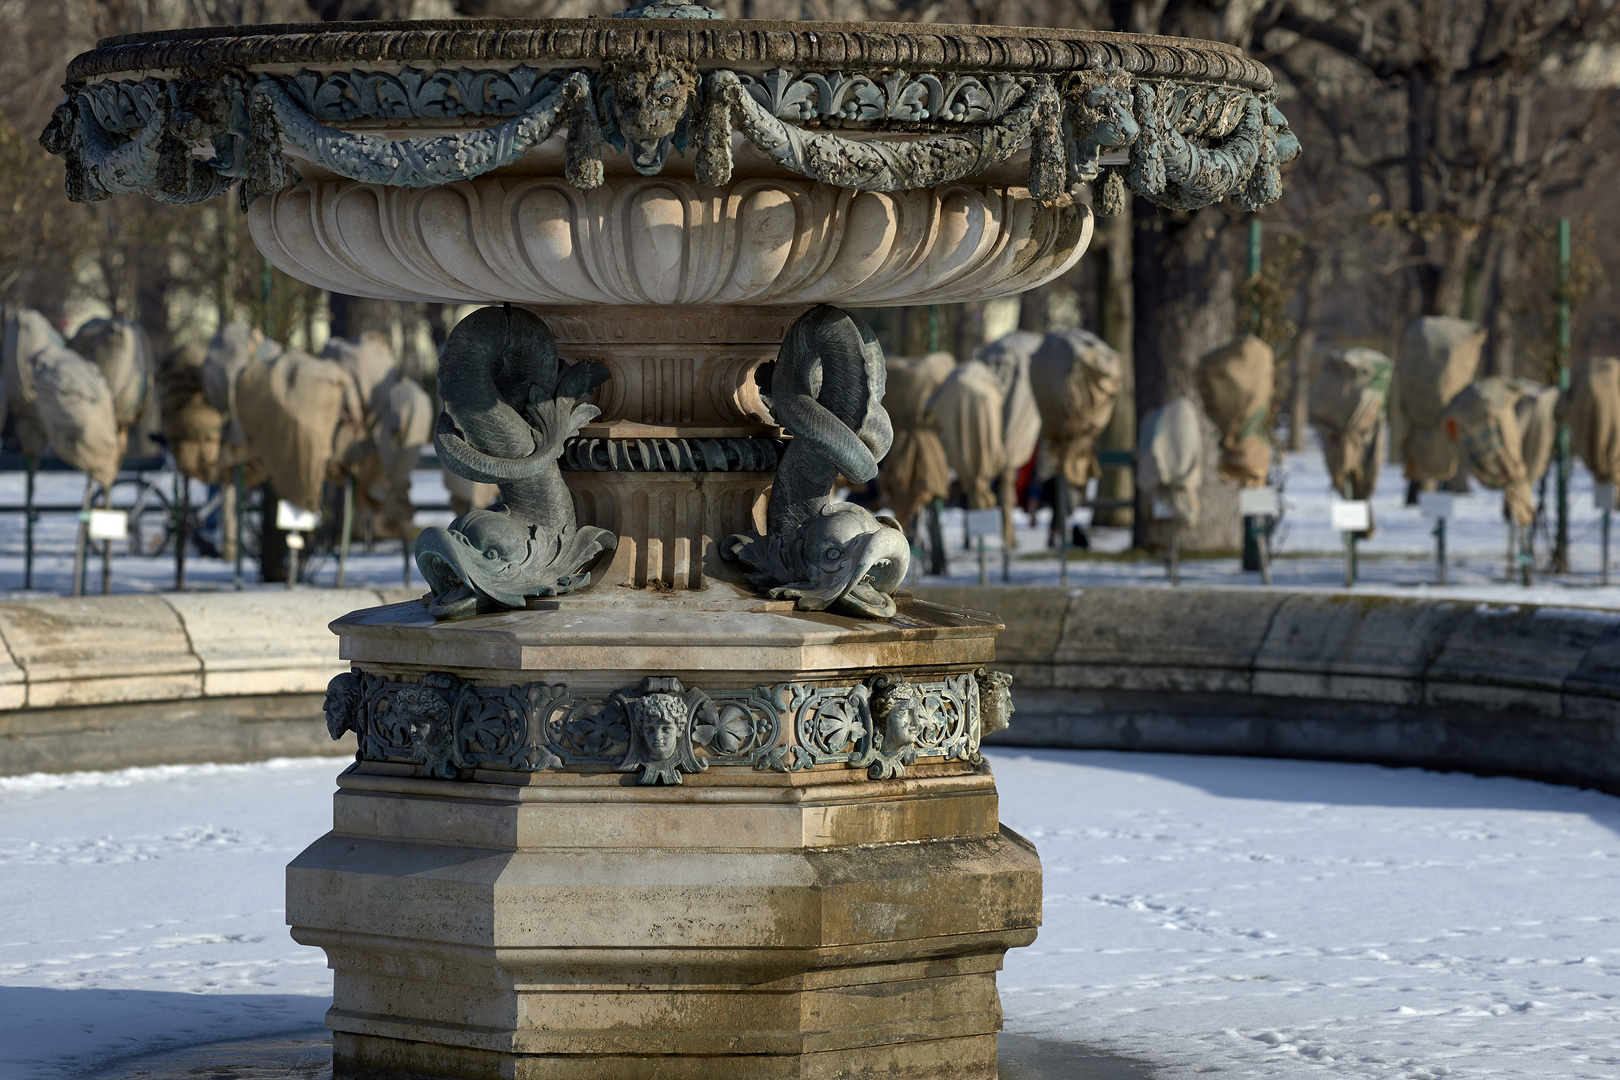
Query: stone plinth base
x=712 y=837
x=816 y=924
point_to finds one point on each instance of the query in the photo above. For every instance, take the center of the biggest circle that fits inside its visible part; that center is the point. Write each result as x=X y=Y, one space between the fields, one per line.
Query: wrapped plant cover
x=967 y=412
x=1439 y=355
x=26 y=334
x=1483 y=423
x=1594 y=418
x=119 y=349
x=75 y=408
x=915 y=471
x=289 y=411
x=190 y=424
x=1235 y=382
x=1009 y=358
x=1076 y=378
x=1347 y=410
x=1170 y=458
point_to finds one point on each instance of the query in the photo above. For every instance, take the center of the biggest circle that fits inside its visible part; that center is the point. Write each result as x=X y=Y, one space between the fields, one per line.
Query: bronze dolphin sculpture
x=508 y=406
x=826 y=390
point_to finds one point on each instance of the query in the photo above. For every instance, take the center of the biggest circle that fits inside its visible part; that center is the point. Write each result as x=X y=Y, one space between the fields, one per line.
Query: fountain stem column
x=685 y=451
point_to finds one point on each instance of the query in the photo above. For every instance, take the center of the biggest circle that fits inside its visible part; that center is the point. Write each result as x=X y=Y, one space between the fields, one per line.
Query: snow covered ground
x=55 y=533
x=1309 y=555
x=142 y=910
x=1284 y=919
x=1398 y=559
x=1252 y=918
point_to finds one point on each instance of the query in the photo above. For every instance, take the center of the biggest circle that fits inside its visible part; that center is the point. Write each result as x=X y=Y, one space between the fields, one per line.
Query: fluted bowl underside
x=663 y=240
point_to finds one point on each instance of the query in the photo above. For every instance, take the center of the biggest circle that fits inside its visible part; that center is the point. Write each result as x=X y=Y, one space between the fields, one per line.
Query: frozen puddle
x=1203 y=915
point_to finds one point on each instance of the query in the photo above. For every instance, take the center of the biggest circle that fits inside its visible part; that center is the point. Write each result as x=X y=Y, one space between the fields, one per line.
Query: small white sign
x=295 y=541
x=985 y=522
x=1258 y=502
x=290 y=518
x=1436 y=504
x=1351 y=515
x=1603 y=496
x=109 y=524
x=1163 y=511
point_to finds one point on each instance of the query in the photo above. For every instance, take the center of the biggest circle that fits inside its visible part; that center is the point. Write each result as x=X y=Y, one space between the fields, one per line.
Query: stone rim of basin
x=866 y=107
x=722 y=42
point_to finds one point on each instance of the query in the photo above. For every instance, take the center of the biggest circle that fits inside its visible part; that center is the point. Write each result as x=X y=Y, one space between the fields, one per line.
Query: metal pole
x=348 y=531
x=1440 y=551
x=1254 y=274
x=1061 y=512
x=1513 y=550
x=1561 y=539
x=984 y=577
x=106 y=549
x=1175 y=551
x=240 y=480
x=405 y=546
x=292 y=562
x=938 y=566
x=1263 y=543
x=182 y=511
x=1527 y=553
x=1606 y=516
x=1349 y=550
x=78 y=546
x=28 y=524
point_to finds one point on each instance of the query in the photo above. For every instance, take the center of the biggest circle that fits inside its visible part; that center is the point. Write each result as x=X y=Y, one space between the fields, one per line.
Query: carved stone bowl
x=666 y=240
x=668 y=161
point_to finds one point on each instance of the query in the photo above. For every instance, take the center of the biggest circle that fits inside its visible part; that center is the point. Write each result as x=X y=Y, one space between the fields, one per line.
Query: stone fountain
x=667 y=776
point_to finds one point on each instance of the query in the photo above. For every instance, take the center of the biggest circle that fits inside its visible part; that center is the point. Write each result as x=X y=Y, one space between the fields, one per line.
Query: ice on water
x=1210 y=915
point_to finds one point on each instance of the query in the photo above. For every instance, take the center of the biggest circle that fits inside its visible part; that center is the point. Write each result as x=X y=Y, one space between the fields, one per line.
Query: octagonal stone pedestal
x=778 y=913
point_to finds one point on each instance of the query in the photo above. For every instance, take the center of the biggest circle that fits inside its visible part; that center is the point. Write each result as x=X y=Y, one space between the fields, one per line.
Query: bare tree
x=1461 y=111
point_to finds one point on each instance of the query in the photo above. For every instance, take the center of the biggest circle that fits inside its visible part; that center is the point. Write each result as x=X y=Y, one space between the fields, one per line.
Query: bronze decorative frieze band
x=661 y=729
x=832 y=98
x=1191 y=134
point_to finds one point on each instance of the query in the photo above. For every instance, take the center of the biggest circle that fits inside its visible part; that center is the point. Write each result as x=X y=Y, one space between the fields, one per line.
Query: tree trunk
x=152 y=283
x=1504 y=339
x=1451 y=282
x=1117 y=304
x=1186 y=295
x=969 y=329
x=1417 y=143
x=354 y=315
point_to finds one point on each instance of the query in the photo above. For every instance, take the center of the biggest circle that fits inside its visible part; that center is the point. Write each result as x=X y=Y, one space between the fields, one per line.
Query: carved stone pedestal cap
x=758 y=687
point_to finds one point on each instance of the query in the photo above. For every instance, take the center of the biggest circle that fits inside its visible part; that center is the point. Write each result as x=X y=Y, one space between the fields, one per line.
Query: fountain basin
x=684 y=813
